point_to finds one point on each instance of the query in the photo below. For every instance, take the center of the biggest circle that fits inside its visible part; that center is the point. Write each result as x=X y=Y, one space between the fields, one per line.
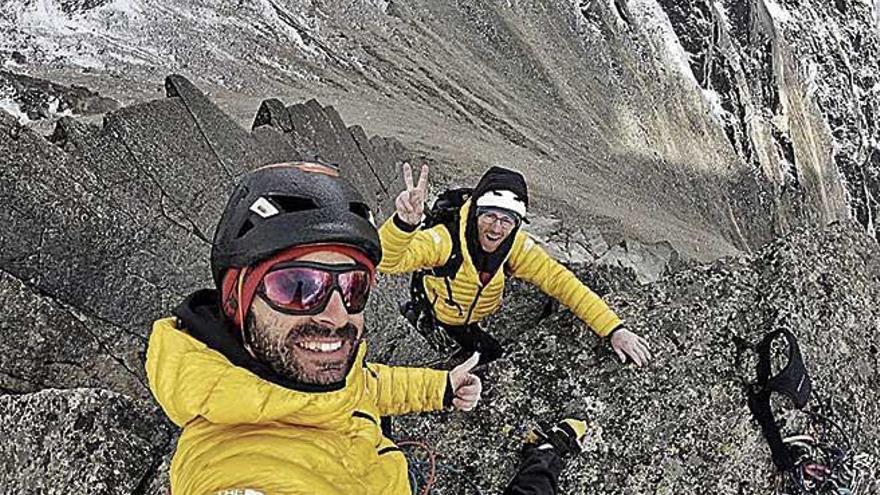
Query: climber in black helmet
x=266 y=374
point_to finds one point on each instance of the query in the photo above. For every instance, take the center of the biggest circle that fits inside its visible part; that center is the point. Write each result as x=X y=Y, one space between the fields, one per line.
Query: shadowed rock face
x=49 y=343
x=106 y=229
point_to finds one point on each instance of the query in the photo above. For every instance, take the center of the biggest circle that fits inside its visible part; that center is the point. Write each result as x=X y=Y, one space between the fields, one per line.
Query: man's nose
x=334 y=315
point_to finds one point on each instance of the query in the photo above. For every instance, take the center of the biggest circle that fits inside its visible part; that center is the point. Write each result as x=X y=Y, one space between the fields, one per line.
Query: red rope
x=432 y=457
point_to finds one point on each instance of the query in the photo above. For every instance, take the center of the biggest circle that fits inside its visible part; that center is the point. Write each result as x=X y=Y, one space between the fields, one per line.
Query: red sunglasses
x=305 y=288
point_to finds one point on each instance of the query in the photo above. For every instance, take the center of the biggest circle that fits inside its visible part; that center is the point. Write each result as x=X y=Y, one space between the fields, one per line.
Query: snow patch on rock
x=11 y=107
x=653 y=20
x=778 y=12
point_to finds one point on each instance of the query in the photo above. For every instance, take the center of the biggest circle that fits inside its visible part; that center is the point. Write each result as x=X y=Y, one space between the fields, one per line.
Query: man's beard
x=280 y=352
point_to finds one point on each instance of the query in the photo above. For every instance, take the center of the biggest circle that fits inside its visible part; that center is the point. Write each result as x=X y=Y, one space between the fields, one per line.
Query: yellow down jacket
x=242 y=432
x=404 y=252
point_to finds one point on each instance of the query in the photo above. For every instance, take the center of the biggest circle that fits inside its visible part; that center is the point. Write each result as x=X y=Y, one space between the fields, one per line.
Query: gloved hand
x=410 y=203
x=466 y=387
x=627 y=344
x=568 y=438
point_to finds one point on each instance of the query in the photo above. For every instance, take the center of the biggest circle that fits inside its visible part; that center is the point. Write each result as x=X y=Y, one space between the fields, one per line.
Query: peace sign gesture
x=410 y=203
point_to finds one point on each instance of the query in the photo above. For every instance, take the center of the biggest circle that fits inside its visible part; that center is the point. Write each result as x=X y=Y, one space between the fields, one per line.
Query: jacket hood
x=190 y=380
x=193 y=372
x=495 y=179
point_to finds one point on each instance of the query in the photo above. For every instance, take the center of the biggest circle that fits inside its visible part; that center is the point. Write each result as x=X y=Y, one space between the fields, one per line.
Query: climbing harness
x=817 y=460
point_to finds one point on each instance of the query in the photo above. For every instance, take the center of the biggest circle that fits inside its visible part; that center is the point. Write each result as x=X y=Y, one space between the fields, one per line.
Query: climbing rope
x=424 y=464
x=420 y=483
x=824 y=459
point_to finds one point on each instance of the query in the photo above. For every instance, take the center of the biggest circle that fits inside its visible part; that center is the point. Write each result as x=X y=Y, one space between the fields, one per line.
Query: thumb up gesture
x=466 y=387
x=410 y=203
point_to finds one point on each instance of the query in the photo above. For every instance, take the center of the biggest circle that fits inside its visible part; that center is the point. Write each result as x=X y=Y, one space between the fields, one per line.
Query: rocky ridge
x=107 y=229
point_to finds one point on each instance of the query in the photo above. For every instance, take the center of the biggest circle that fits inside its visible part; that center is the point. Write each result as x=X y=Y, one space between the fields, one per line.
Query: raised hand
x=466 y=387
x=410 y=203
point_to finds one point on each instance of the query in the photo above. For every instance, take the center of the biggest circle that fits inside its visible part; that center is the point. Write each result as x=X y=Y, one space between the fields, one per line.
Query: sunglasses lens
x=298 y=288
x=355 y=287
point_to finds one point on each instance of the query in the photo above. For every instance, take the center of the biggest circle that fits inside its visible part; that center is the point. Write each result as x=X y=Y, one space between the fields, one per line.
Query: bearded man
x=266 y=374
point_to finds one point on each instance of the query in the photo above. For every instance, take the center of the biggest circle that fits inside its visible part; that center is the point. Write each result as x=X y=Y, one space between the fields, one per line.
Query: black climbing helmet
x=279 y=206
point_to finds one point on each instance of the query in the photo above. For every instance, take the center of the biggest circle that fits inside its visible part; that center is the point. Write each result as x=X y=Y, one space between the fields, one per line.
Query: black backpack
x=446 y=211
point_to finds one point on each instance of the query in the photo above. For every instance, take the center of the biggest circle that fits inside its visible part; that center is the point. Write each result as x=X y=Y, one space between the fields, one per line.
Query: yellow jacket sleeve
x=531 y=263
x=404 y=252
x=402 y=390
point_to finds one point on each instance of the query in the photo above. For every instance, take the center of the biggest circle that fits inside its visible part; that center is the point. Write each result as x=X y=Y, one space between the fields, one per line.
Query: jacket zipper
x=477 y=298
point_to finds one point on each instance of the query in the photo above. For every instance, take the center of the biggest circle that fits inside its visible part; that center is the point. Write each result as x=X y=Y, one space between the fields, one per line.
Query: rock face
x=712 y=125
x=794 y=85
x=104 y=229
x=681 y=425
x=34 y=99
x=108 y=228
x=78 y=441
x=48 y=343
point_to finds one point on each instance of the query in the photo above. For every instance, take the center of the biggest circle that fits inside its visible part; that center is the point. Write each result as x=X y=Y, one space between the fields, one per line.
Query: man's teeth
x=321 y=346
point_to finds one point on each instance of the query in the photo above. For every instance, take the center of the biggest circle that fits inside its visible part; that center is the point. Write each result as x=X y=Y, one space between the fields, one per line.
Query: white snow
x=713 y=99
x=812 y=76
x=653 y=19
x=274 y=64
x=40 y=28
x=269 y=11
x=11 y=107
x=54 y=103
x=9 y=63
x=776 y=11
x=8 y=104
x=877 y=13
x=722 y=12
x=46 y=16
x=42 y=15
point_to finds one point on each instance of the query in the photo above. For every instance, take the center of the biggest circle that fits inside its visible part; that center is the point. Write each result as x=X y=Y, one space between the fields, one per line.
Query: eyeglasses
x=506 y=221
x=304 y=288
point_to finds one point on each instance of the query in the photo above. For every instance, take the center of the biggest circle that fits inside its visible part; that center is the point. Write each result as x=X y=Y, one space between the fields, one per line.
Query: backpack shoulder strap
x=453 y=263
x=446 y=212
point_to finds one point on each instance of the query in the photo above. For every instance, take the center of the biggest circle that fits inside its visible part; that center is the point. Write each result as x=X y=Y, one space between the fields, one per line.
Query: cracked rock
x=46 y=343
x=86 y=441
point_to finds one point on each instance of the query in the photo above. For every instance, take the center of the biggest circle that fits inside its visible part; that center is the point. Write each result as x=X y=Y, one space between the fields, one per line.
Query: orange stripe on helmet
x=317 y=168
x=308 y=167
